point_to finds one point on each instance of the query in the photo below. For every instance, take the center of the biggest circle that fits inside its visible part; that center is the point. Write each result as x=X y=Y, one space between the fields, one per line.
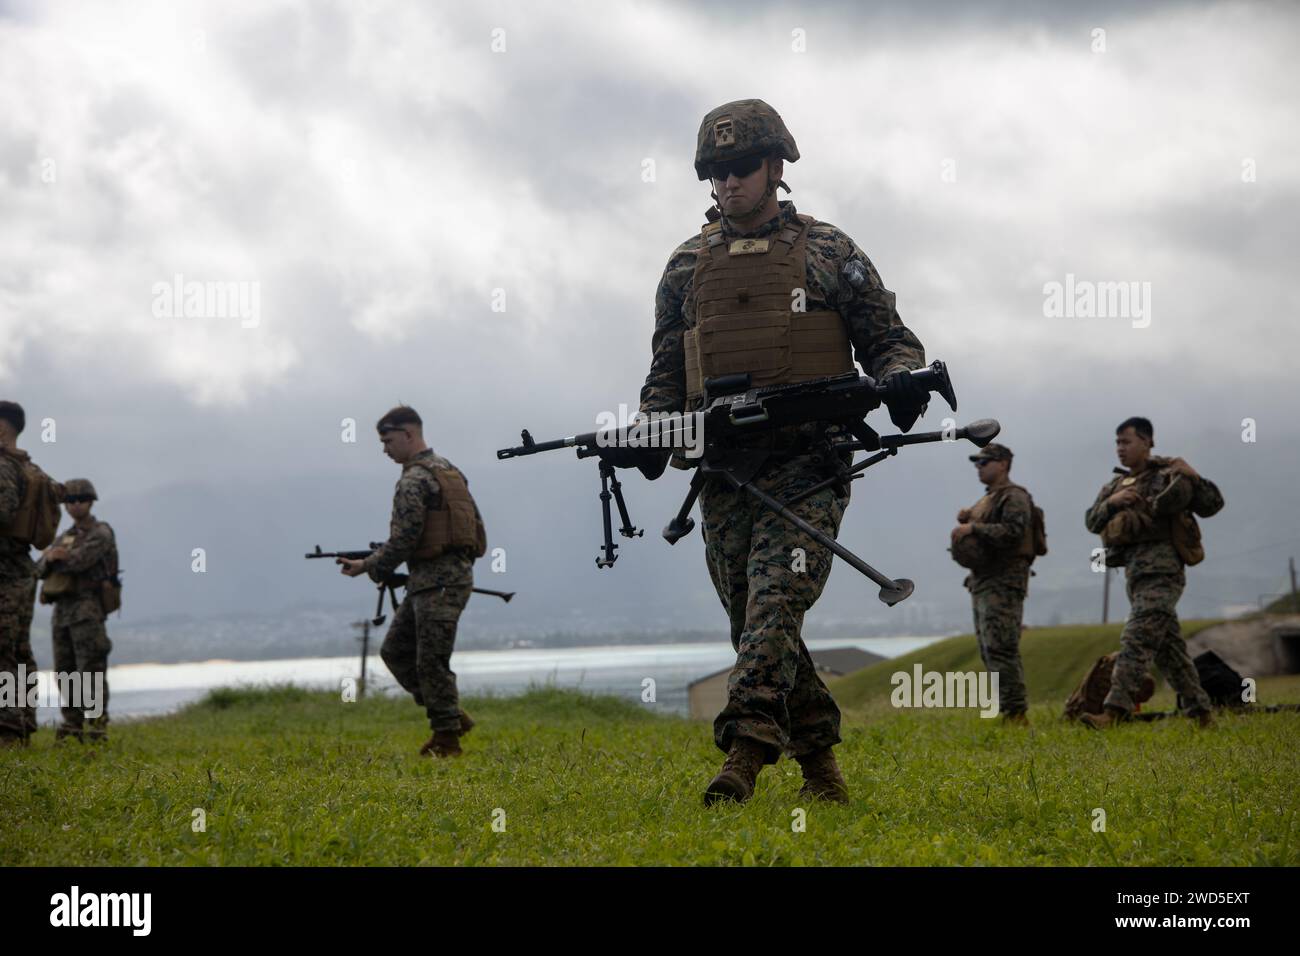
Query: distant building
x=708 y=695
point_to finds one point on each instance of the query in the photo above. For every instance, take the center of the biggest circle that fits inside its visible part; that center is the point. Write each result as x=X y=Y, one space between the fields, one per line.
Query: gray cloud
x=379 y=172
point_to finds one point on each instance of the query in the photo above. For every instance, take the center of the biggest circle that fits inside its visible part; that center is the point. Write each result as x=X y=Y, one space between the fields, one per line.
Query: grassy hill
x=1286 y=604
x=1055 y=659
x=291 y=777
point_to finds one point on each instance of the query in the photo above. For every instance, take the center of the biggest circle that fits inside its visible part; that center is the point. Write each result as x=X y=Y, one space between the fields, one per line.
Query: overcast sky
x=384 y=173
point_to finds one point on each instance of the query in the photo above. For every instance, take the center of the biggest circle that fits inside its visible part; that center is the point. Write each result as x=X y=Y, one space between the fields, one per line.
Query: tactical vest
x=744 y=315
x=986 y=507
x=1178 y=525
x=1139 y=524
x=37 y=519
x=456 y=523
x=101 y=579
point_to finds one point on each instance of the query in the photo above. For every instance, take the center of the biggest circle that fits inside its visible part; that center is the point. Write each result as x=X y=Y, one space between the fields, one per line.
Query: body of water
x=138 y=690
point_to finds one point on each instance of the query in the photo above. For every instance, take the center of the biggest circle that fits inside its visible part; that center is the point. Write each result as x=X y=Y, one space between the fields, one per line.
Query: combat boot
x=735 y=781
x=1204 y=719
x=466 y=723
x=12 y=740
x=822 y=778
x=1016 y=720
x=63 y=733
x=1105 y=720
x=444 y=743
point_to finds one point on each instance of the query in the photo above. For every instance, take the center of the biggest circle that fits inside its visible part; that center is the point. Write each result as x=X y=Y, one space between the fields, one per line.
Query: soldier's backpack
x=37 y=520
x=110 y=588
x=1186 y=536
x=1035 y=543
x=1090 y=696
x=1040 y=532
x=1221 y=682
x=1184 y=532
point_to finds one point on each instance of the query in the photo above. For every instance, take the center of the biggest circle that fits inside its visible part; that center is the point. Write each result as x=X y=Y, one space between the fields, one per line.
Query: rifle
x=735 y=434
x=390 y=583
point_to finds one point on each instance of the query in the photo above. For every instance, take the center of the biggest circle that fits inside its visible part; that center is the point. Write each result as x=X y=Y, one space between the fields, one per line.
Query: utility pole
x=364 y=627
x=1295 y=595
x=1105 y=596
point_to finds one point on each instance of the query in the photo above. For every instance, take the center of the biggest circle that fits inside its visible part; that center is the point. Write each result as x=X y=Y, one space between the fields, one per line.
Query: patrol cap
x=992 y=452
x=79 y=488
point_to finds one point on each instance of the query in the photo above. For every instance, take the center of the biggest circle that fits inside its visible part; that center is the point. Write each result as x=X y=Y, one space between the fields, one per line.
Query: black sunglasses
x=740 y=168
x=73 y=499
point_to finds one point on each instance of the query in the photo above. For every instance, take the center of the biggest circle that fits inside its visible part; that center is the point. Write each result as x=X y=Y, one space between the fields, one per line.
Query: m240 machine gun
x=736 y=433
x=390 y=583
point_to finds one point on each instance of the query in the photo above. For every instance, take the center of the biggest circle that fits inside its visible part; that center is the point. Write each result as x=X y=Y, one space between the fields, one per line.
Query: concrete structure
x=1255 y=646
x=708 y=695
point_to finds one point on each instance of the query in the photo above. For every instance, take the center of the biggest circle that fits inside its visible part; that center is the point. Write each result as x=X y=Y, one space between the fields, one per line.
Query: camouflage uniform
x=775 y=696
x=998 y=595
x=80 y=639
x=1154 y=581
x=17 y=601
x=420 y=640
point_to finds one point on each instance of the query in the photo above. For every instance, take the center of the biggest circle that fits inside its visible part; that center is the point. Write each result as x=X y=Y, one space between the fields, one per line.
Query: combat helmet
x=79 y=487
x=739 y=129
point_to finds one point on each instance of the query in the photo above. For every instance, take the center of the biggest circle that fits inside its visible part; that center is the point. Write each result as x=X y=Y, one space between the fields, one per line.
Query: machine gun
x=390 y=583
x=739 y=429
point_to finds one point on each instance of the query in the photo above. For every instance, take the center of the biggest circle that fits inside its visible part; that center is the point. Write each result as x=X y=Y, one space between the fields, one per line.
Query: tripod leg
x=609 y=547
x=616 y=487
x=891 y=591
x=682 y=522
x=850 y=474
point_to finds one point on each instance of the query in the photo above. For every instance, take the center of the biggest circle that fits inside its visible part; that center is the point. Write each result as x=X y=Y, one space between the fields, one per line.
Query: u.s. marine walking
x=765 y=291
x=1146 y=521
x=437 y=530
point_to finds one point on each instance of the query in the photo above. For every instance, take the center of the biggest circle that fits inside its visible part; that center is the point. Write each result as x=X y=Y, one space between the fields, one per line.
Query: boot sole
x=725 y=787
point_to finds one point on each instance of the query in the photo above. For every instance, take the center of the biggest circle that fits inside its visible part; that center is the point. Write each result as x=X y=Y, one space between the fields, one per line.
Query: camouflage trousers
x=767 y=575
x=1152 y=633
x=81 y=645
x=418 y=646
x=17 y=603
x=998 y=614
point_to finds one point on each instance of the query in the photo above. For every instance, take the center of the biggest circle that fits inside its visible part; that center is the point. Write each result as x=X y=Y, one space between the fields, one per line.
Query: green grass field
x=287 y=776
x=1055 y=660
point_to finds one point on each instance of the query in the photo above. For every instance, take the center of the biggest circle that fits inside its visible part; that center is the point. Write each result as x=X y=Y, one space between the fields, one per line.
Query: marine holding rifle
x=766 y=292
x=1146 y=521
x=437 y=530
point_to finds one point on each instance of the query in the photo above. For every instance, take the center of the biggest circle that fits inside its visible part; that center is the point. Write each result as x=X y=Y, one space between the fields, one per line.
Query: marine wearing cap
x=993 y=452
x=996 y=539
